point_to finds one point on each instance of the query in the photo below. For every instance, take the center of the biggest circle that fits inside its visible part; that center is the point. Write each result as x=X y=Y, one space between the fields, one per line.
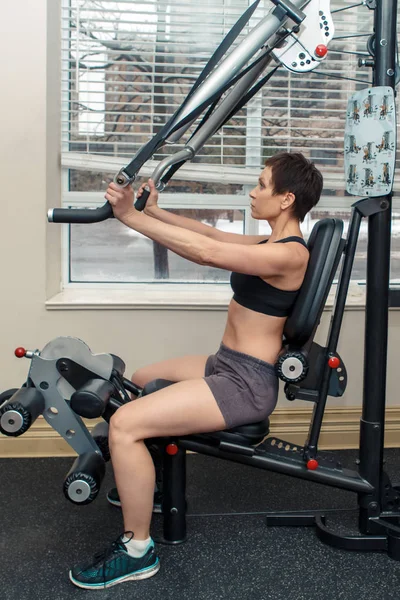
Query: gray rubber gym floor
x=234 y=557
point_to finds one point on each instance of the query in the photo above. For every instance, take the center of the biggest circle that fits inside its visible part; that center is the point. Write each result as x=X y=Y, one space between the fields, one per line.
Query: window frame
x=331 y=204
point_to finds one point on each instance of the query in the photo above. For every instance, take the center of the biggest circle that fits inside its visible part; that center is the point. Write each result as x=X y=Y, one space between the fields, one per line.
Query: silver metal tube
x=227 y=105
x=185 y=154
x=232 y=64
x=213 y=123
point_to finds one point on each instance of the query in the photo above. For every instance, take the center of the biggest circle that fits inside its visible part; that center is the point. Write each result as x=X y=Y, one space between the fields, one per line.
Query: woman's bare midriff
x=257 y=334
x=253 y=333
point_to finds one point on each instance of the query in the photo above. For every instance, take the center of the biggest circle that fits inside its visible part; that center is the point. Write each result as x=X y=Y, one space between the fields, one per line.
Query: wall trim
x=340 y=430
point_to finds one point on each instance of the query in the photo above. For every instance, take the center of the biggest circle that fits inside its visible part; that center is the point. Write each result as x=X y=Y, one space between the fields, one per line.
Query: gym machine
x=67 y=382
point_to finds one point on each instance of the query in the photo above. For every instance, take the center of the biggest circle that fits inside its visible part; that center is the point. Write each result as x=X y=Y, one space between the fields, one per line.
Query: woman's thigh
x=180 y=409
x=174 y=369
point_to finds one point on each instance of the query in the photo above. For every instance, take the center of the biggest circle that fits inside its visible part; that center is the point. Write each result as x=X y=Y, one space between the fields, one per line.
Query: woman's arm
x=153 y=210
x=265 y=260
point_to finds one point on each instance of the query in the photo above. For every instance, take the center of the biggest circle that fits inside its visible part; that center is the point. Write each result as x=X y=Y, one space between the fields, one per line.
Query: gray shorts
x=245 y=387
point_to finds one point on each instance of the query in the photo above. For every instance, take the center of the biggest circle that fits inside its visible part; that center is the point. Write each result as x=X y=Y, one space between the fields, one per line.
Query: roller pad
x=155 y=385
x=91 y=400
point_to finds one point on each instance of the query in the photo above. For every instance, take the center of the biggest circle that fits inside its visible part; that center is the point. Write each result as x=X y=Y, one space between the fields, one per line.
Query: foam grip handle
x=141 y=202
x=80 y=215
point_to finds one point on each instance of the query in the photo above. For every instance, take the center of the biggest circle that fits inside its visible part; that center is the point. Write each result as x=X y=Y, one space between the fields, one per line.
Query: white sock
x=136 y=548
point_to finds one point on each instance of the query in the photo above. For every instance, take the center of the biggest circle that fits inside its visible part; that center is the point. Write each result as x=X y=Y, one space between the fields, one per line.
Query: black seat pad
x=252 y=433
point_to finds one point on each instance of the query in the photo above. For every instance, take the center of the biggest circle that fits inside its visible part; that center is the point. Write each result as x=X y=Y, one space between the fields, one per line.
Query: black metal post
x=174 y=489
x=377 y=301
x=311 y=445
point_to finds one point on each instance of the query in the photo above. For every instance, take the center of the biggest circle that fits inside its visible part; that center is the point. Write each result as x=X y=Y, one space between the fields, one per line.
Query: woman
x=235 y=386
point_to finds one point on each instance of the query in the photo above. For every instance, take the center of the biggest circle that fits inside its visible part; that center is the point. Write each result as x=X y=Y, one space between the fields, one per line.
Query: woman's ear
x=288 y=200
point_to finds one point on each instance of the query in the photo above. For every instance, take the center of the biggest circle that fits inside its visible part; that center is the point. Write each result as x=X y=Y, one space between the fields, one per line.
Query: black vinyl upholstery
x=155 y=385
x=325 y=245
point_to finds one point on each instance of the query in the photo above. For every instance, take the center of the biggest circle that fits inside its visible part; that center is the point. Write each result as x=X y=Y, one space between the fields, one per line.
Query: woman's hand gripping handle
x=147 y=196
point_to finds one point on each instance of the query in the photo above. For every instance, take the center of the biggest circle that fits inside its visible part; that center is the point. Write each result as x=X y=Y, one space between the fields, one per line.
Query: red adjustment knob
x=334 y=362
x=20 y=352
x=312 y=464
x=321 y=50
x=172 y=449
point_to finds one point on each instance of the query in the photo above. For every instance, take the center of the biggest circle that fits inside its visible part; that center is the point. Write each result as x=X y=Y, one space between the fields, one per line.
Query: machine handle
x=141 y=202
x=80 y=215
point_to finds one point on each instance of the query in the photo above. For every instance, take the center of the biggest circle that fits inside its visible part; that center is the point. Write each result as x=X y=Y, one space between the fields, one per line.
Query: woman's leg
x=174 y=369
x=184 y=408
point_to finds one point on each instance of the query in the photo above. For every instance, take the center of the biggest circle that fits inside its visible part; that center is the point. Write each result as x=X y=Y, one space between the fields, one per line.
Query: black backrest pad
x=326 y=246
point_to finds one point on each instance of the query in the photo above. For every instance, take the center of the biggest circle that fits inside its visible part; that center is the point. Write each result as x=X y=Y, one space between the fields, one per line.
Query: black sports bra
x=256 y=294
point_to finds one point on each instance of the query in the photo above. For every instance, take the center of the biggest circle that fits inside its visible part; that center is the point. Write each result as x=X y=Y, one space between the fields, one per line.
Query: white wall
x=30 y=247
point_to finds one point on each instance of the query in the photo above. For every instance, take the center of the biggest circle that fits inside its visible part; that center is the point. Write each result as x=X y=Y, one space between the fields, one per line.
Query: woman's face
x=264 y=203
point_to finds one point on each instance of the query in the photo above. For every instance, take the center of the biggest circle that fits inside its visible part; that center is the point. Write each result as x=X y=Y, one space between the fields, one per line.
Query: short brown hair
x=292 y=172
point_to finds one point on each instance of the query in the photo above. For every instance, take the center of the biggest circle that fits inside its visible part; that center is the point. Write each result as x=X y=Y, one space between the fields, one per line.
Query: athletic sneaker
x=115 y=566
x=113 y=498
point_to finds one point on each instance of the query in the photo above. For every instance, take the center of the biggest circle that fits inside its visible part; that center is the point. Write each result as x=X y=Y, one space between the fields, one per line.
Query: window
x=126 y=67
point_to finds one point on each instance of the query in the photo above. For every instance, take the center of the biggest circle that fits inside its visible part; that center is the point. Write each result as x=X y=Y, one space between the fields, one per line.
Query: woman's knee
x=121 y=429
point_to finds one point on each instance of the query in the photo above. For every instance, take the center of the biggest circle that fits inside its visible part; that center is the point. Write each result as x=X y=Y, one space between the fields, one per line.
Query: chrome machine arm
x=299 y=50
